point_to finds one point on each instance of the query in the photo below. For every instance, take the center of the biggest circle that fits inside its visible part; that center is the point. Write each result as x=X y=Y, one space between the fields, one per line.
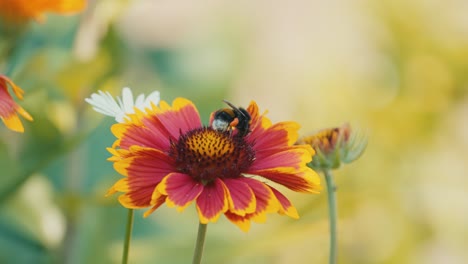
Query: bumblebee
x=229 y=118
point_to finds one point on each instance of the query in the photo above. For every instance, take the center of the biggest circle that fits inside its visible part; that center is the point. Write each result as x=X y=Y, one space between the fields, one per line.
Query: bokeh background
x=397 y=69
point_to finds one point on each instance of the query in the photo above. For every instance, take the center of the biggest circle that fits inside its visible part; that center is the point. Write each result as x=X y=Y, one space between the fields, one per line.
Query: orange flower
x=9 y=110
x=334 y=146
x=17 y=11
x=167 y=156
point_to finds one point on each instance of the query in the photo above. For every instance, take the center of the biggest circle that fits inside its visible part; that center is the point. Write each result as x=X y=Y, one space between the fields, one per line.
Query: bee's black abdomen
x=223 y=119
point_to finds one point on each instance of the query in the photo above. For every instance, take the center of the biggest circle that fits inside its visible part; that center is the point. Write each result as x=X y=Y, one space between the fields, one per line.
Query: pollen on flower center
x=206 y=154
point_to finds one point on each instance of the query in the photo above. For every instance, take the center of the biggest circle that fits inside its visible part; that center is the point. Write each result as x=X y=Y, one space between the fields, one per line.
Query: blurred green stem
x=197 y=255
x=128 y=236
x=332 y=214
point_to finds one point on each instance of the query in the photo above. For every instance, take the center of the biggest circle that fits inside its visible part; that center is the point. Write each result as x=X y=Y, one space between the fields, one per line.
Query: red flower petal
x=300 y=181
x=160 y=124
x=241 y=221
x=146 y=166
x=273 y=148
x=277 y=135
x=258 y=122
x=241 y=197
x=182 y=117
x=120 y=186
x=130 y=134
x=295 y=157
x=286 y=207
x=266 y=200
x=9 y=109
x=139 y=198
x=156 y=204
x=180 y=189
x=212 y=201
x=145 y=170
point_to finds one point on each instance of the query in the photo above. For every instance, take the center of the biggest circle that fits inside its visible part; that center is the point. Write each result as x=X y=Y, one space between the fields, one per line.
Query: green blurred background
x=397 y=69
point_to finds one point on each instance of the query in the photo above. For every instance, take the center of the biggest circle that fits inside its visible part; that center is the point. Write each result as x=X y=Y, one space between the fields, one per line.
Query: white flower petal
x=104 y=103
x=139 y=102
x=127 y=100
x=119 y=107
x=153 y=97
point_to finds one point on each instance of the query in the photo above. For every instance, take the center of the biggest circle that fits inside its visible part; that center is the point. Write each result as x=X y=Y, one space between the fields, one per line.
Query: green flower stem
x=197 y=255
x=332 y=213
x=128 y=236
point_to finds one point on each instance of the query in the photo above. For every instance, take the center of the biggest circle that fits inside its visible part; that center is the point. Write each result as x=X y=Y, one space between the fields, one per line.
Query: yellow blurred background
x=396 y=69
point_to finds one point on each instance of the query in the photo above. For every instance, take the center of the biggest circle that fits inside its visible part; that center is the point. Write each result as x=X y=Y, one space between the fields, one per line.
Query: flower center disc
x=206 y=154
